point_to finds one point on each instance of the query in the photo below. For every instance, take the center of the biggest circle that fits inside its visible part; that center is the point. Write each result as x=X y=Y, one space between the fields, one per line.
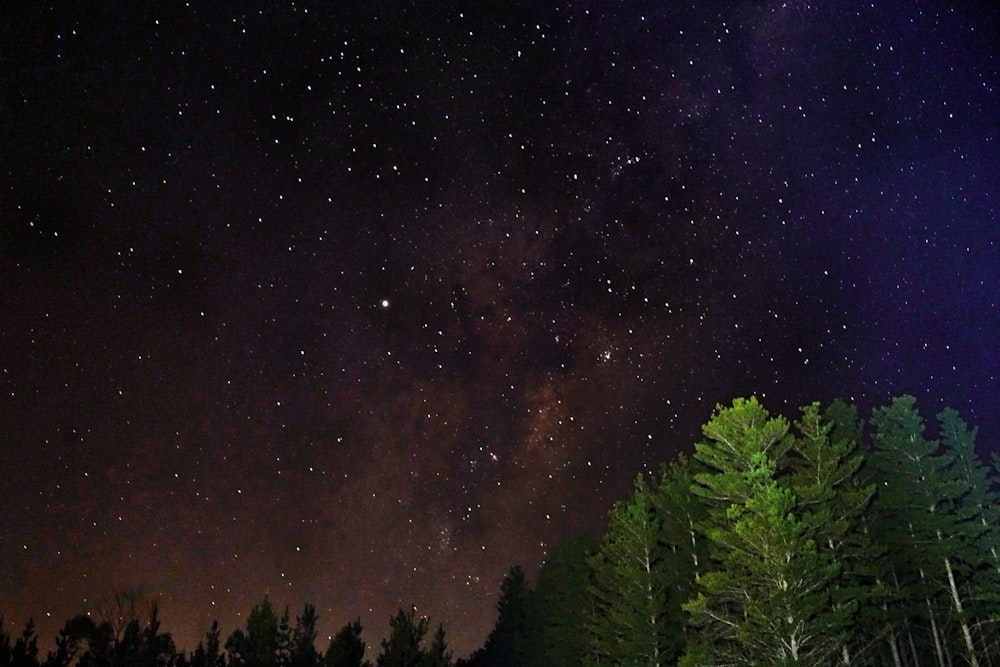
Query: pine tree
x=511 y=641
x=258 y=645
x=558 y=604
x=628 y=606
x=823 y=473
x=764 y=597
x=24 y=652
x=438 y=654
x=683 y=549
x=207 y=653
x=303 y=639
x=403 y=647
x=346 y=649
x=926 y=507
x=978 y=538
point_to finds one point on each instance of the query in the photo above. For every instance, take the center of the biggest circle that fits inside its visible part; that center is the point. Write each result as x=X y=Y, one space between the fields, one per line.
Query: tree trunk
x=913 y=648
x=891 y=640
x=957 y=600
x=934 y=631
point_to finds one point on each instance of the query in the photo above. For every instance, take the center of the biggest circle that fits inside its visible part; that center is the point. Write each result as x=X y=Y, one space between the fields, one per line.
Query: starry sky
x=363 y=303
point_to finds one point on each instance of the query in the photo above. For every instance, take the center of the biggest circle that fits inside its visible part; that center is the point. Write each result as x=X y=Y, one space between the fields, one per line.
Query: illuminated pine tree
x=764 y=597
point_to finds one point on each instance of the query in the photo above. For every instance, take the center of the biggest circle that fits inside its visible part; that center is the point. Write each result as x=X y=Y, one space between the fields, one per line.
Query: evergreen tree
x=154 y=647
x=684 y=551
x=346 y=649
x=438 y=654
x=303 y=639
x=207 y=653
x=557 y=607
x=984 y=504
x=922 y=507
x=404 y=646
x=24 y=652
x=629 y=595
x=68 y=643
x=284 y=653
x=258 y=645
x=823 y=473
x=509 y=643
x=764 y=597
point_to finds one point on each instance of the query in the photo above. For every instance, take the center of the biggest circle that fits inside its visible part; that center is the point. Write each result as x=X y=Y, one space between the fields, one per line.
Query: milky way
x=363 y=305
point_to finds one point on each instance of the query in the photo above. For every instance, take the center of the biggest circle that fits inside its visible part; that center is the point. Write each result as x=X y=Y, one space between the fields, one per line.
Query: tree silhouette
x=403 y=647
x=258 y=645
x=346 y=649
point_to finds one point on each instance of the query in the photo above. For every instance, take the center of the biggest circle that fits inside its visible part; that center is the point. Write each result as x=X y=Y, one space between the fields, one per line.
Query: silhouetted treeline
x=132 y=637
x=820 y=541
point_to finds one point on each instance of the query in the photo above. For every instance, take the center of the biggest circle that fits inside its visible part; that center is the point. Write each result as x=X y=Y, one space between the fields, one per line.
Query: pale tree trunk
x=891 y=637
x=894 y=649
x=993 y=549
x=913 y=647
x=694 y=547
x=957 y=601
x=934 y=631
x=930 y=616
x=647 y=564
x=984 y=644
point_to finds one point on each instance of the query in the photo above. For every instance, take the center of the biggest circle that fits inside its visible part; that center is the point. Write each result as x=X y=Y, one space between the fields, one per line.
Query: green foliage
x=779 y=508
x=629 y=592
x=913 y=507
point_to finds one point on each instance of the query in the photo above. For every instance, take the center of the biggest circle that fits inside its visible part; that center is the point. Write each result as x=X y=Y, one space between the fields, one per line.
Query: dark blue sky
x=363 y=306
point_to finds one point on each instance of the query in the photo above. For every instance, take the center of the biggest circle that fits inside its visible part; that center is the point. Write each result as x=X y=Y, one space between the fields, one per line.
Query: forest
x=821 y=540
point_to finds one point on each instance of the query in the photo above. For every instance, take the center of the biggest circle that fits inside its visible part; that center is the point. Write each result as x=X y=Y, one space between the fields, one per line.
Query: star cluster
x=363 y=303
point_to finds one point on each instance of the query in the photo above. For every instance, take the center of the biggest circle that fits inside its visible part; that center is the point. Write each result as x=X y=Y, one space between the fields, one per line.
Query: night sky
x=363 y=303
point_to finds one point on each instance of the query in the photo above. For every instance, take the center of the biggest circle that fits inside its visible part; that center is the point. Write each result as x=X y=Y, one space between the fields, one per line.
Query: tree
x=303 y=639
x=207 y=653
x=823 y=472
x=628 y=609
x=510 y=642
x=403 y=647
x=346 y=649
x=258 y=645
x=764 y=596
x=684 y=551
x=984 y=505
x=922 y=506
x=438 y=654
x=72 y=641
x=24 y=652
x=153 y=647
x=557 y=607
